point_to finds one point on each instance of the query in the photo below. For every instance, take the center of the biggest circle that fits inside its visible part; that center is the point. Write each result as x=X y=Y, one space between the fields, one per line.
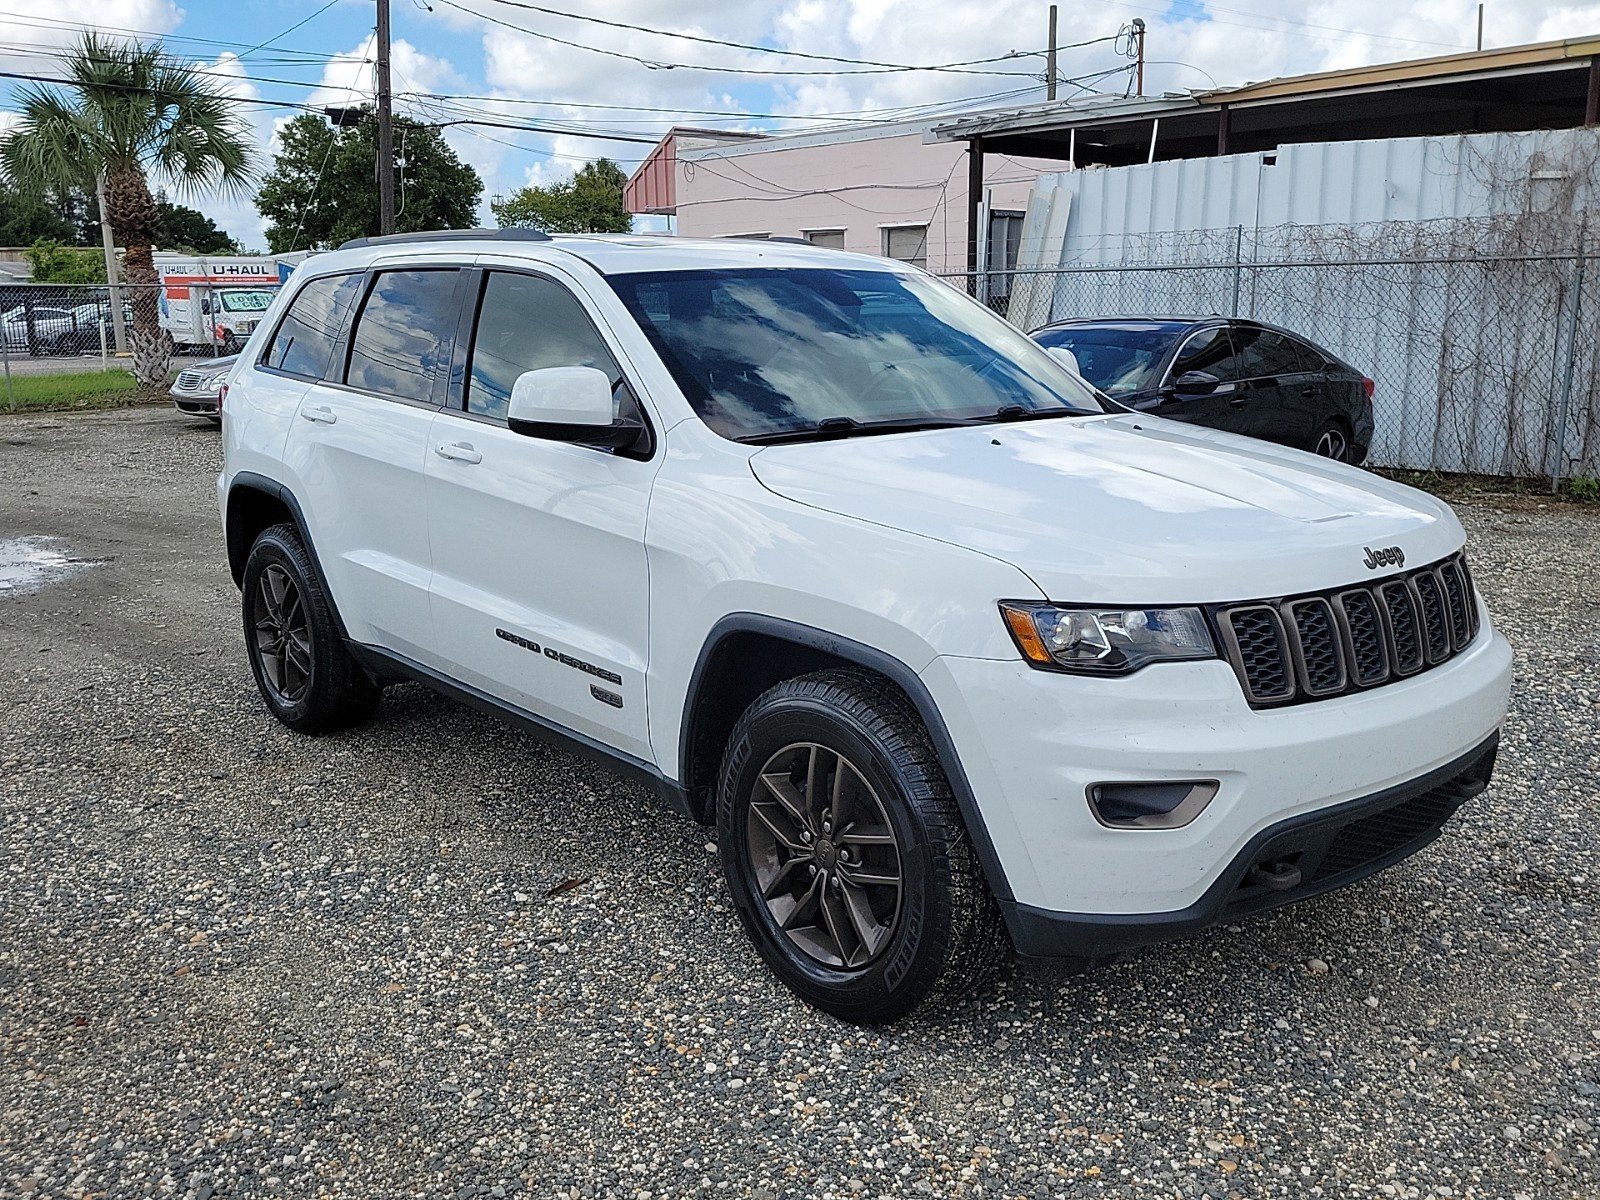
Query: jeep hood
x=1123 y=509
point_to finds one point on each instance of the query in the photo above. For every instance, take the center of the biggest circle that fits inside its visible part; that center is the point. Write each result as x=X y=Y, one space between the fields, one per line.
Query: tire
x=313 y=686
x=1333 y=441
x=937 y=935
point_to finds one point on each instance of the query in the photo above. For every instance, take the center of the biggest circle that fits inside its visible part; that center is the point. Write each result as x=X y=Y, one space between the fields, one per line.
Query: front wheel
x=301 y=666
x=848 y=863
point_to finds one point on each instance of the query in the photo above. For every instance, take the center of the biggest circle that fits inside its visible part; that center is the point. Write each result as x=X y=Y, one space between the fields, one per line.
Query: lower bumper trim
x=1320 y=851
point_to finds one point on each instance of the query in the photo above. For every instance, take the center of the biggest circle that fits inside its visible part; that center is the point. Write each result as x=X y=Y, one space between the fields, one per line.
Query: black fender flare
x=252 y=481
x=881 y=663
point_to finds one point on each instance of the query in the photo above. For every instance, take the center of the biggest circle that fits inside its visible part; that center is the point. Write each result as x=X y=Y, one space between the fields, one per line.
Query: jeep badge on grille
x=1389 y=556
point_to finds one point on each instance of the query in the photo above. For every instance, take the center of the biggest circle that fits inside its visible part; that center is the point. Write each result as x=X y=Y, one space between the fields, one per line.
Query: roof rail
x=449 y=235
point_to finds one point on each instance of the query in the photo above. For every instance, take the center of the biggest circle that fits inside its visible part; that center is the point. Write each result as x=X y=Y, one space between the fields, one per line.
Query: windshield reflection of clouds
x=772 y=350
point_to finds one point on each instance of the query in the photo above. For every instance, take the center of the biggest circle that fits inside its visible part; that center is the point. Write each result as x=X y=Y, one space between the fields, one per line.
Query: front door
x=1212 y=395
x=540 y=585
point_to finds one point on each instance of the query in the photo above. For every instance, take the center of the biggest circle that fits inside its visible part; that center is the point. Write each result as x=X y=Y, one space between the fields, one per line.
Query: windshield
x=765 y=352
x=246 y=301
x=1117 y=359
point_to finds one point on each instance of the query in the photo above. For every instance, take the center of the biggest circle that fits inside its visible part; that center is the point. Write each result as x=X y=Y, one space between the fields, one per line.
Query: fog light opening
x=1164 y=805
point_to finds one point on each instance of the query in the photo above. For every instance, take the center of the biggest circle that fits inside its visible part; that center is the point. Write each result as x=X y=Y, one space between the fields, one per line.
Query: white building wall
x=863 y=185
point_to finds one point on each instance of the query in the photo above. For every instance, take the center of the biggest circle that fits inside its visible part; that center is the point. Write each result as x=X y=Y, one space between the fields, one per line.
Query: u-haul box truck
x=215 y=303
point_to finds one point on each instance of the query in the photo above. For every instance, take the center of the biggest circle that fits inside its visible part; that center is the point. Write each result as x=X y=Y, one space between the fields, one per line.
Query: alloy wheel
x=282 y=635
x=824 y=855
x=1332 y=444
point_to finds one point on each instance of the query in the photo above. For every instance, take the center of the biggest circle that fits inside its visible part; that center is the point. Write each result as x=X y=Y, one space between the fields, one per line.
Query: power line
x=854 y=116
x=119 y=87
x=711 y=41
x=660 y=65
x=96 y=27
x=292 y=28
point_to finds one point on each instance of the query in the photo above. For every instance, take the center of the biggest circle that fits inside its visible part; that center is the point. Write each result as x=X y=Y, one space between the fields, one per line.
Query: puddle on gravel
x=30 y=563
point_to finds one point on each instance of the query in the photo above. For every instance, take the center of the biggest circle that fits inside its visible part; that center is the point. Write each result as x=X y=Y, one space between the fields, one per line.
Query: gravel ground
x=434 y=958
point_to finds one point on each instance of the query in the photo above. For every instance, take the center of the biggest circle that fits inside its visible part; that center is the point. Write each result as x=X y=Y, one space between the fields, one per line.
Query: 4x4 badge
x=1389 y=556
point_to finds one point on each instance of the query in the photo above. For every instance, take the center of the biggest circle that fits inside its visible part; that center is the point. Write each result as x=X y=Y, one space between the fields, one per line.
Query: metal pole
x=1138 y=32
x=1238 y=265
x=1480 y=28
x=974 y=194
x=5 y=355
x=1050 y=59
x=1559 y=464
x=119 y=332
x=385 y=127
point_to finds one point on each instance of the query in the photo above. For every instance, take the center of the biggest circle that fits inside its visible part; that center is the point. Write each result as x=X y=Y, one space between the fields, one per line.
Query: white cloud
x=39 y=29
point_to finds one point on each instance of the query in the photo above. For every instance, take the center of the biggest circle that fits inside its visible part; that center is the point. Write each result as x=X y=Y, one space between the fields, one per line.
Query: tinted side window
x=1306 y=357
x=1264 y=353
x=405 y=334
x=525 y=323
x=1208 y=352
x=304 y=341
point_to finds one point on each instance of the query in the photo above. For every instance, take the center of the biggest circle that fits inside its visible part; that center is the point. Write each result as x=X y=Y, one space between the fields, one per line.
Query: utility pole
x=385 y=127
x=1480 y=27
x=1138 y=34
x=118 y=332
x=1050 y=59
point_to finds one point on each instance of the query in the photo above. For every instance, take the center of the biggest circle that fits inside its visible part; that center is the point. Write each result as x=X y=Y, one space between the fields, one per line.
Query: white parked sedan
x=198 y=389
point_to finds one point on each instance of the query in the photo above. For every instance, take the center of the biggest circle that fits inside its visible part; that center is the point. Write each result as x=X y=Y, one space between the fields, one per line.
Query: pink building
x=885 y=189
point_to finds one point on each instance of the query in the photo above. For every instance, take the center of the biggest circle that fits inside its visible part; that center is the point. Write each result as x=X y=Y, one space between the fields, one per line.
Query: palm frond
x=130 y=106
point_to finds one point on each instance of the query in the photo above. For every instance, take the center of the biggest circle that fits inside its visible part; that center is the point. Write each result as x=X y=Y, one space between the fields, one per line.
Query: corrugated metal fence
x=1487 y=364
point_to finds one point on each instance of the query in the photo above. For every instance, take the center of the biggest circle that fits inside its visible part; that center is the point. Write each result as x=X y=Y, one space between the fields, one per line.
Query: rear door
x=540 y=585
x=359 y=447
x=1285 y=385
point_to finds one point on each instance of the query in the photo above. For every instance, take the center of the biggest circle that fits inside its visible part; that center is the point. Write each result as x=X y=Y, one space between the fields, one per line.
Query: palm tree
x=130 y=111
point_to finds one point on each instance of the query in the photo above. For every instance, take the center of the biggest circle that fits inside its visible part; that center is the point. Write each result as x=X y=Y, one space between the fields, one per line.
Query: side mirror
x=569 y=404
x=1192 y=384
x=1065 y=357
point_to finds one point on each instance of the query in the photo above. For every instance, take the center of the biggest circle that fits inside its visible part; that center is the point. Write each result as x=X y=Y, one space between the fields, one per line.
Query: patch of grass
x=115 y=388
x=1585 y=488
x=1506 y=491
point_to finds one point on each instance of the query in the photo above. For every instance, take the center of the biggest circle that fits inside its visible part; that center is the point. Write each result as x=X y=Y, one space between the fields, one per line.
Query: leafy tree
x=28 y=214
x=589 y=202
x=321 y=189
x=131 y=110
x=182 y=228
x=54 y=263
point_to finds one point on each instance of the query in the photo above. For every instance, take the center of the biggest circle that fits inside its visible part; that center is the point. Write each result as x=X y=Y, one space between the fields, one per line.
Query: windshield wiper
x=831 y=428
x=1015 y=412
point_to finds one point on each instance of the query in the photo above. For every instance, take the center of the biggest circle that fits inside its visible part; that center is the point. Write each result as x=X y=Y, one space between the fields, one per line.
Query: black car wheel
x=846 y=858
x=1332 y=441
x=305 y=674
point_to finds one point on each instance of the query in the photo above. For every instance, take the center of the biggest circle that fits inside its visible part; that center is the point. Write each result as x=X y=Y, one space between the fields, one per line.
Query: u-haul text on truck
x=215 y=303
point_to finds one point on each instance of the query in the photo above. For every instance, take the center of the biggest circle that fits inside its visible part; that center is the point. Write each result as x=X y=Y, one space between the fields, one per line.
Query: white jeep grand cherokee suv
x=951 y=649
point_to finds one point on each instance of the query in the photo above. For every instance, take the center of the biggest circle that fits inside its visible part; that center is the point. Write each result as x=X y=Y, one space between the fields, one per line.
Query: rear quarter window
x=303 y=343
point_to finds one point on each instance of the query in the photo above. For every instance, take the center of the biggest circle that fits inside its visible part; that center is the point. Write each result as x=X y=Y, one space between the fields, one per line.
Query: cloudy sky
x=504 y=60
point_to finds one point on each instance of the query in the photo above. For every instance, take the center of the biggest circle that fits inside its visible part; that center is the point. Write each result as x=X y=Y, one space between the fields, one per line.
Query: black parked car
x=1241 y=376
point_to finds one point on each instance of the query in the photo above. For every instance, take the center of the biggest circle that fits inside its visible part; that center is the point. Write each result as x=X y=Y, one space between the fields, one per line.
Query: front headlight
x=1100 y=641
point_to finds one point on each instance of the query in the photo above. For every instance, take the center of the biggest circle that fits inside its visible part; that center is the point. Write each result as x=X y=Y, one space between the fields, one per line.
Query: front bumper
x=1032 y=743
x=1294 y=860
x=195 y=404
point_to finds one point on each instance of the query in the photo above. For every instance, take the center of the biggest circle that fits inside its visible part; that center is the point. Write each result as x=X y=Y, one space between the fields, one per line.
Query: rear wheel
x=846 y=858
x=1332 y=441
x=301 y=666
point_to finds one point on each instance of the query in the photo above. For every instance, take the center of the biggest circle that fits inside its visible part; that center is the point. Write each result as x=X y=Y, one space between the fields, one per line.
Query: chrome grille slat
x=1325 y=644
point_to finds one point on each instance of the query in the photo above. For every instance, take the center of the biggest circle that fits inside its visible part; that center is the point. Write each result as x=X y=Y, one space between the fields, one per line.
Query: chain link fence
x=67 y=346
x=1484 y=365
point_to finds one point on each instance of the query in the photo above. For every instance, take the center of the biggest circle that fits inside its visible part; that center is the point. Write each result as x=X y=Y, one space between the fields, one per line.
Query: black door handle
x=1309 y=390
x=1240 y=400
